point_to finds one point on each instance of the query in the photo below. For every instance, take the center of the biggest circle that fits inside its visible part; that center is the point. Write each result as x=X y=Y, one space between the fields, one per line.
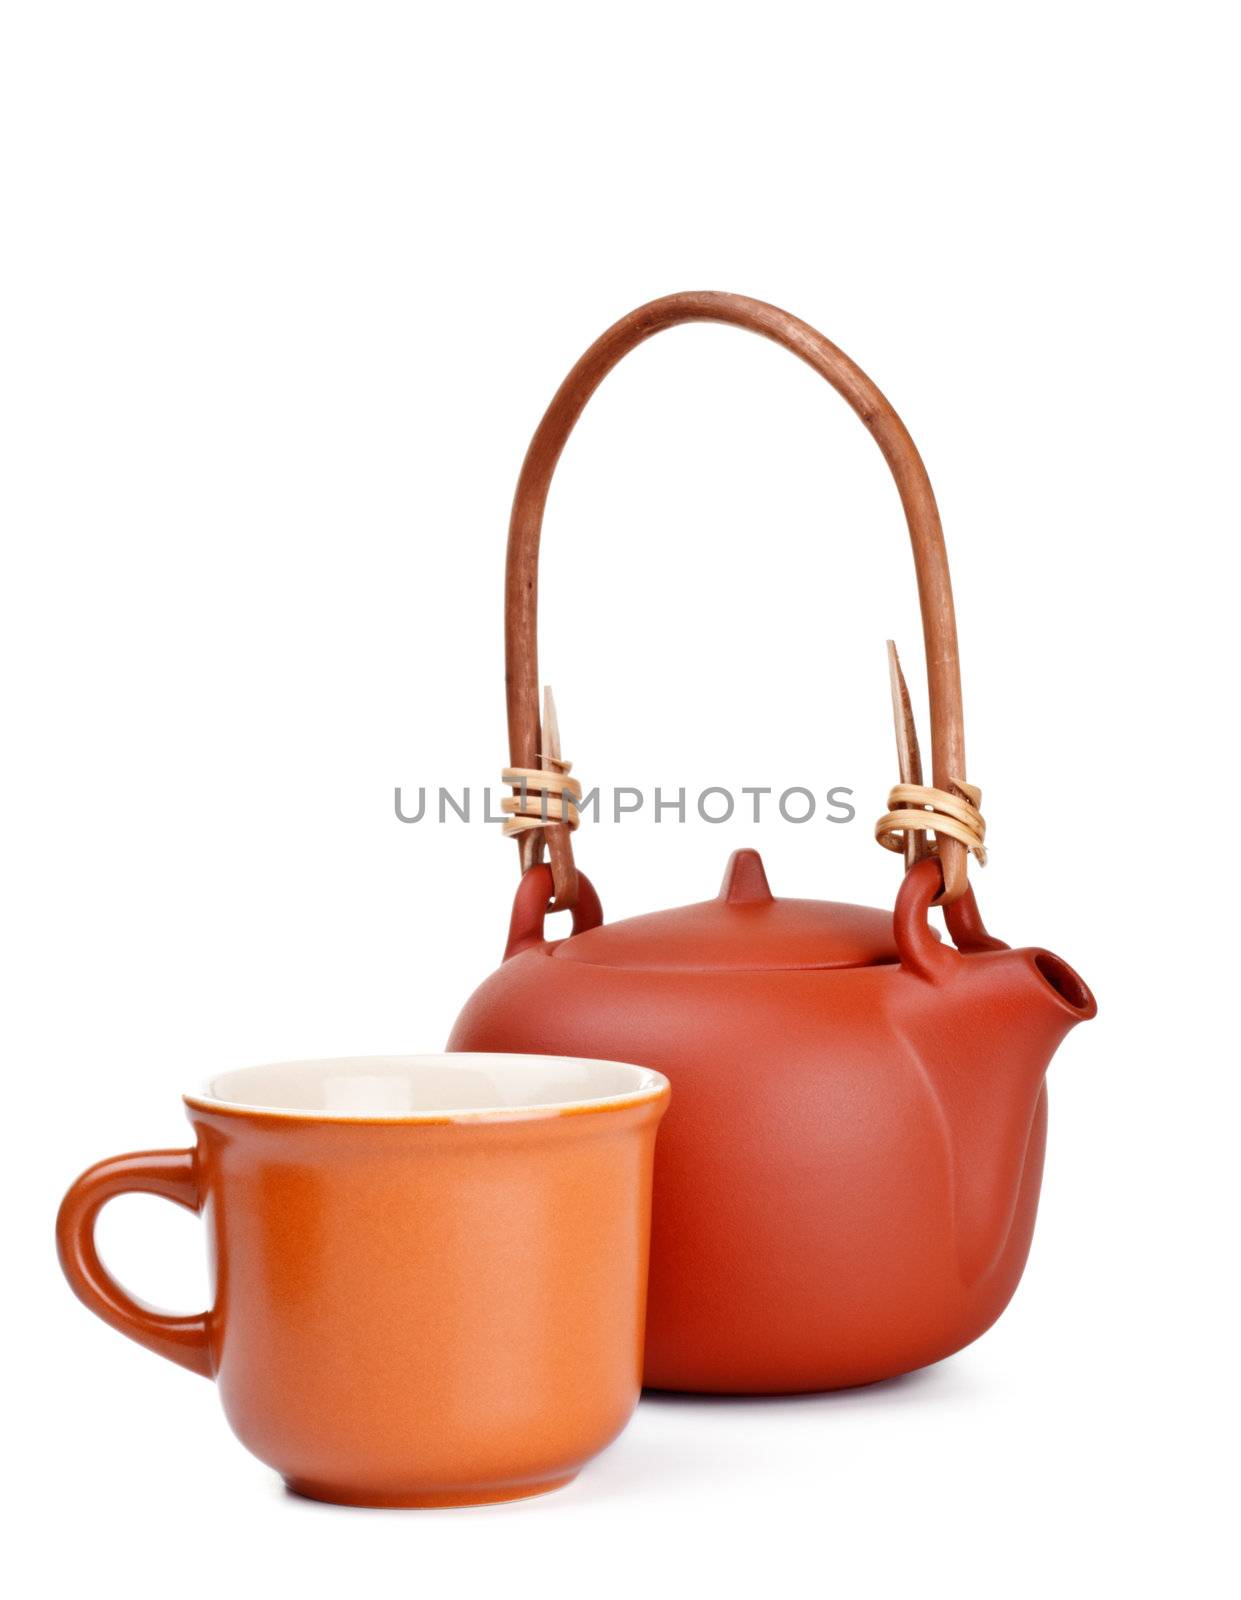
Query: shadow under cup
x=430 y=1271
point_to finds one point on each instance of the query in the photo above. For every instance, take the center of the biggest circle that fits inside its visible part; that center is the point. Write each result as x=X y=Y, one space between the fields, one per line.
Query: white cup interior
x=399 y=1087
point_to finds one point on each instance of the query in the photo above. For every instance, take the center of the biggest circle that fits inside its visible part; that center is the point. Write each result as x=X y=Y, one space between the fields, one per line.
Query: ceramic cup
x=429 y=1271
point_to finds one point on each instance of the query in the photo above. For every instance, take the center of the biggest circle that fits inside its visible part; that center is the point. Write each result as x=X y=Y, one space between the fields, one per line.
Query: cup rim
x=649 y=1085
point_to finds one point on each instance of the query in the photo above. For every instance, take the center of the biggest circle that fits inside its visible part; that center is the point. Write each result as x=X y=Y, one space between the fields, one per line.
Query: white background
x=286 y=290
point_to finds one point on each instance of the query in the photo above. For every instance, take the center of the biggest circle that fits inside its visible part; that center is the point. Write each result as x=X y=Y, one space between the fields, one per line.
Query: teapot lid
x=745 y=929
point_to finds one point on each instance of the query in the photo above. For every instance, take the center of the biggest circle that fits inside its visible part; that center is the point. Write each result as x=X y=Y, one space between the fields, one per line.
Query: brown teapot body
x=849 y=1169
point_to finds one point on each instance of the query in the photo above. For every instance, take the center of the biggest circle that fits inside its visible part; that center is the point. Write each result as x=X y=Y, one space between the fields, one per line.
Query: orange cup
x=430 y=1271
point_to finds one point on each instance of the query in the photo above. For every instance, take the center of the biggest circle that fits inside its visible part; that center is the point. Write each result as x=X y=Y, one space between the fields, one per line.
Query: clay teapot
x=849 y=1169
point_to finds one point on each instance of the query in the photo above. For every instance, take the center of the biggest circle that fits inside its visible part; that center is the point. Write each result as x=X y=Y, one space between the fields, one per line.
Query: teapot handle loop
x=920 y=951
x=533 y=901
x=912 y=483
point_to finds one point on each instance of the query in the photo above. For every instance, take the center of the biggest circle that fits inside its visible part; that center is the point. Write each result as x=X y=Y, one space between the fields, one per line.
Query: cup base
x=429 y=1500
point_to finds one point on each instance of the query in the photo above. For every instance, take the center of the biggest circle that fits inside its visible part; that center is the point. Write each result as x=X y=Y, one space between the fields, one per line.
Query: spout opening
x=1060 y=977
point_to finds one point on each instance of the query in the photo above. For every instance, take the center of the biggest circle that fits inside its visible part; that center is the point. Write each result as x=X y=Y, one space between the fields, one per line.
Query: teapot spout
x=1020 y=1004
x=1070 y=995
x=1052 y=999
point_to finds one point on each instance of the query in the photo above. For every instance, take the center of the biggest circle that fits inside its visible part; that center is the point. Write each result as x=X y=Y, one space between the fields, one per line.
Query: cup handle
x=169 y=1173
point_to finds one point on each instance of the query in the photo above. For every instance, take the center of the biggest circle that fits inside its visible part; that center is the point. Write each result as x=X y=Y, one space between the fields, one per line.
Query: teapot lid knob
x=745 y=882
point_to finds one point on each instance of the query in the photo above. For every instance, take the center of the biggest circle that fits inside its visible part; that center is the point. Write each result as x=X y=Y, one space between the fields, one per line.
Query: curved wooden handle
x=913 y=485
